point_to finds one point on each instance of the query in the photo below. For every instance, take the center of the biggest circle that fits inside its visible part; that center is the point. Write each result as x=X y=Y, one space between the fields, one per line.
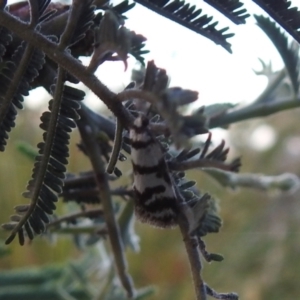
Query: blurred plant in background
x=259 y=237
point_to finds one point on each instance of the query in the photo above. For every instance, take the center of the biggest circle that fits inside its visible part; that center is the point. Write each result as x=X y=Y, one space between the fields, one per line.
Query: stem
x=72 y=65
x=221 y=296
x=116 y=148
x=72 y=24
x=94 y=151
x=192 y=250
x=92 y=229
x=191 y=246
x=285 y=182
x=87 y=214
x=254 y=110
x=68 y=62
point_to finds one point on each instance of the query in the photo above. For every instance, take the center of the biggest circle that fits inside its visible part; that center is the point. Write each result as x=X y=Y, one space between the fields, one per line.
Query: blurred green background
x=260 y=237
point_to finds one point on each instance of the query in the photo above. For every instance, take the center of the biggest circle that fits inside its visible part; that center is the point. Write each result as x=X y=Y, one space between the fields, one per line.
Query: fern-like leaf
x=231 y=9
x=49 y=168
x=286 y=16
x=15 y=80
x=219 y=154
x=137 y=47
x=188 y=16
x=122 y=8
x=288 y=52
x=211 y=222
x=37 y=9
x=24 y=67
x=85 y=22
x=214 y=159
x=82 y=188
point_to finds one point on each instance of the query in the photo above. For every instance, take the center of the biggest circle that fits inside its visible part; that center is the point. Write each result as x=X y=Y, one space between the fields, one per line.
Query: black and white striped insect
x=155 y=196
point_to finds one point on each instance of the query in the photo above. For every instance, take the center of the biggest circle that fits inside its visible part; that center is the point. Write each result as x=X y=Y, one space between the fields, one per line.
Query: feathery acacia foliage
x=286 y=16
x=188 y=16
x=16 y=76
x=47 y=180
x=46 y=51
x=232 y=9
x=289 y=53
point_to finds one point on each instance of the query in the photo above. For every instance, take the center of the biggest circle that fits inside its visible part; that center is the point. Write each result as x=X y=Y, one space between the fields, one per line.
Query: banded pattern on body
x=155 y=201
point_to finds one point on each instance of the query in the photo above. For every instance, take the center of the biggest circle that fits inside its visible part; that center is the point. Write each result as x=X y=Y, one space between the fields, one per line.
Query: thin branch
x=85 y=229
x=69 y=63
x=286 y=182
x=91 y=213
x=206 y=255
x=94 y=151
x=223 y=296
x=73 y=19
x=255 y=110
x=116 y=148
x=109 y=98
x=191 y=246
x=209 y=257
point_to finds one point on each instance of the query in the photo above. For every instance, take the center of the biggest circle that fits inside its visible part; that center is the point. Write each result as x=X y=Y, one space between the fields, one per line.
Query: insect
x=155 y=196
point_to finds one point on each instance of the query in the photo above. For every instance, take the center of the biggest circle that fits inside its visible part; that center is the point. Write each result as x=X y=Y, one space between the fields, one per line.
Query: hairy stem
x=192 y=250
x=39 y=177
x=14 y=84
x=254 y=111
x=191 y=246
x=69 y=63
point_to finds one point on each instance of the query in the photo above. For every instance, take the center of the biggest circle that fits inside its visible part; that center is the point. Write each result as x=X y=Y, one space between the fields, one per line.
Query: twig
x=74 y=67
x=223 y=296
x=286 y=182
x=255 y=110
x=204 y=252
x=91 y=213
x=116 y=148
x=191 y=246
x=94 y=151
x=84 y=229
x=73 y=19
x=69 y=63
x=209 y=257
